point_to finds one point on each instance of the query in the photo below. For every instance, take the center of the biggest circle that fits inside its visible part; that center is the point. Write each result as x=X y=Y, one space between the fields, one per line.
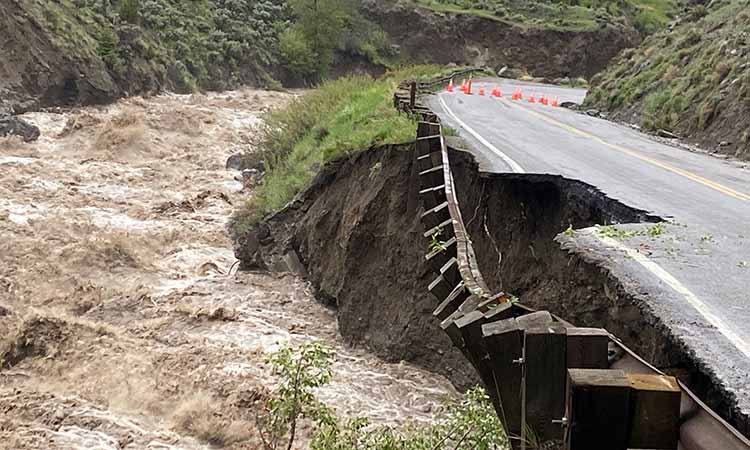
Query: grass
x=341 y=116
x=647 y=16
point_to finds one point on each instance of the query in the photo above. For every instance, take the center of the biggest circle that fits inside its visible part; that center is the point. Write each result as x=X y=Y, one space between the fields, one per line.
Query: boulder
x=15 y=126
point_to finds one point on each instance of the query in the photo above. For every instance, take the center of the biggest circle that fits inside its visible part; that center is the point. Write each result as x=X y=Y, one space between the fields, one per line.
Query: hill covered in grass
x=91 y=51
x=647 y=16
x=692 y=80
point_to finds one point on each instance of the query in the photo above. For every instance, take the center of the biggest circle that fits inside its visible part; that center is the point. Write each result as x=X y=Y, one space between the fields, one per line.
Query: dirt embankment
x=36 y=71
x=357 y=232
x=429 y=37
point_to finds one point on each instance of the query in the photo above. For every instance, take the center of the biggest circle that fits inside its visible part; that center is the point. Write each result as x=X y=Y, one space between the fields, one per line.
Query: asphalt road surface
x=696 y=272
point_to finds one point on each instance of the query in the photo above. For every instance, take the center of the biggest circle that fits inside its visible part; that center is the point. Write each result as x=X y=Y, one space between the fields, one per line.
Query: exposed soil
x=375 y=275
x=123 y=325
x=425 y=36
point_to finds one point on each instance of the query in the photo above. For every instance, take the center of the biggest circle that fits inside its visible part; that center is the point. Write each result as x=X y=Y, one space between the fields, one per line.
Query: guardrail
x=580 y=388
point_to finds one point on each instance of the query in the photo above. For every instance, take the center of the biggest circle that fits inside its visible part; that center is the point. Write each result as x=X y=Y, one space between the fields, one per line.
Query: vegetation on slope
x=211 y=44
x=693 y=80
x=647 y=16
x=345 y=115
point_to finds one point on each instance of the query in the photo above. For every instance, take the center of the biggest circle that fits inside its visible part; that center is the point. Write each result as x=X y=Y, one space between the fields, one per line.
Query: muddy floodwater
x=121 y=325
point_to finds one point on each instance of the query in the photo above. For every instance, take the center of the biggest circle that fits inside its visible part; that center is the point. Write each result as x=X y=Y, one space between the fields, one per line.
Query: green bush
x=470 y=424
x=129 y=11
x=296 y=53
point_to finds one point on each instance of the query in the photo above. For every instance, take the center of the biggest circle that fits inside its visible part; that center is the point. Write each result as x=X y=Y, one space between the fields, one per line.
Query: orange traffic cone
x=531 y=98
x=554 y=102
x=468 y=87
x=496 y=92
x=450 y=86
x=518 y=95
x=481 y=90
x=544 y=100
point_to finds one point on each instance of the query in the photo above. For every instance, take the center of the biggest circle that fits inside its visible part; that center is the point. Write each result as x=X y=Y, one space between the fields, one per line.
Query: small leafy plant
x=470 y=424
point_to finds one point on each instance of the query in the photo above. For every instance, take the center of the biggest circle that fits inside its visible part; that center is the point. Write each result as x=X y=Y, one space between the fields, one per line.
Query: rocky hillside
x=692 y=80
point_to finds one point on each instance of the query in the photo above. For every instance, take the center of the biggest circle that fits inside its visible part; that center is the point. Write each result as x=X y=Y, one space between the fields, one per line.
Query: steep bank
x=425 y=36
x=357 y=233
x=692 y=80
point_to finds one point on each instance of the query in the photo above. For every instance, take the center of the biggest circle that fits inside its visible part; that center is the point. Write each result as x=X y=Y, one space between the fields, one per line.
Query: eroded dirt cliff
x=442 y=38
x=357 y=233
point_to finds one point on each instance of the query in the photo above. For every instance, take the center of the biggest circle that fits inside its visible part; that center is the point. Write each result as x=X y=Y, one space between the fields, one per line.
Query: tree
x=322 y=23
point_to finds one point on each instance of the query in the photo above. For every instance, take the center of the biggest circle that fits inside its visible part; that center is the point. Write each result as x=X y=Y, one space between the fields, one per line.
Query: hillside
x=692 y=80
x=92 y=51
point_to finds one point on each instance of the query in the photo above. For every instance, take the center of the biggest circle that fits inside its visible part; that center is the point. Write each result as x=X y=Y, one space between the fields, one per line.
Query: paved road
x=697 y=272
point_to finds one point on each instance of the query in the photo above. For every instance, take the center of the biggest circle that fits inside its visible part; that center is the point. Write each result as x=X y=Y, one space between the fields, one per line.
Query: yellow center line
x=687 y=174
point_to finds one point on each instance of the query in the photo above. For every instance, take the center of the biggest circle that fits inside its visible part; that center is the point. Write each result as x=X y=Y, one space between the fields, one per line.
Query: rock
x=234 y=162
x=12 y=125
x=724 y=144
x=260 y=166
x=593 y=113
x=666 y=134
x=570 y=105
x=247 y=250
x=251 y=178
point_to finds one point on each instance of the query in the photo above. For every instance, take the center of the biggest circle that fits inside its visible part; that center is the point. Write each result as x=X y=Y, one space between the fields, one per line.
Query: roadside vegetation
x=692 y=81
x=647 y=16
x=469 y=424
x=345 y=115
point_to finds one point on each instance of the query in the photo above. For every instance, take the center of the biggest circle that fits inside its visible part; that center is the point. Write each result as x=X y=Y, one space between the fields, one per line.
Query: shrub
x=296 y=54
x=129 y=11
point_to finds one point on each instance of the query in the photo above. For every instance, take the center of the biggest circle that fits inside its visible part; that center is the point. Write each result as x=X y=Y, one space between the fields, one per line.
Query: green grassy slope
x=693 y=80
x=647 y=16
x=346 y=115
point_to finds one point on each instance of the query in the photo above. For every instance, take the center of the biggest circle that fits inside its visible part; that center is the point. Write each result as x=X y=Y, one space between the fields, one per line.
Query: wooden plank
x=503 y=340
x=654 y=411
x=587 y=348
x=545 y=378
x=500 y=312
x=451 y=302
x=538 y=318
x=597 y=409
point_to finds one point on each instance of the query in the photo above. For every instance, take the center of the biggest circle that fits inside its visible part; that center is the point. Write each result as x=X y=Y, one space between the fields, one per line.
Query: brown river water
x=121 y=325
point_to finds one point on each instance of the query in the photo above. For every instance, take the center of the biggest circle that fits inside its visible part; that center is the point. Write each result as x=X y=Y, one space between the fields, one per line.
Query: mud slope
x=425 y=36
x=357 y=232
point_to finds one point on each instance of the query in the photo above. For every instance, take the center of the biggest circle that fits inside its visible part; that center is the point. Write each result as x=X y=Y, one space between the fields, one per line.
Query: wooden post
x=412 y=94
x=545 y=380
x=654 y=411
x=597 y=409
x=504 y=343
x=587 y=348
